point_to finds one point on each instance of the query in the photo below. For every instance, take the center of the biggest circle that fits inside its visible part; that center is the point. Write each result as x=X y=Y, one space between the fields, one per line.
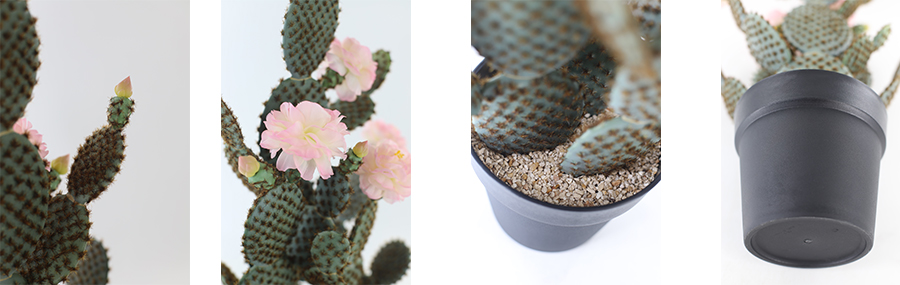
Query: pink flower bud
x=124 y=88
x=247 y=165
x=361 y=149
x=60 y=164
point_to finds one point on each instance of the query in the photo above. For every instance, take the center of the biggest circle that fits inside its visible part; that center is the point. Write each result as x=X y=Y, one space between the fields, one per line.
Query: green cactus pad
x=308 y=32
x=357 y=112
x=635 y=97
x=333 y=194
x=24 y=195
x=609 y=145
x=274 y=274
x=353 y=273
x=94 y=268
x=235 y=148
x=18 y=60
x=522 y=116
x=357 y=200
x=228 y=278
x=271 y=223
x=527 y=39
x=292 y=91
x=476 y=94
x=765 y=43
x=732 y=90
x=390 y=264
x=309 y=225
x=119 y=111
x=849 y=7
x=857 y=56
x=817 y=60
x=14 y=279
x=359 y=236
x=649 y=17
x=62 y=244
x=383 y=58
x=331 y=253
x=96 y=164
x=761 y=74
x=817 y=28
x=821 y=2
x=881 y=36
x=737 y=11
x=593 y=67
x=888 y=94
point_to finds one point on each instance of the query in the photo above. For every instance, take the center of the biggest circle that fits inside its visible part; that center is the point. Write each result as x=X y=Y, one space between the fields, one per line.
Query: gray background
x=252 y=64
x=86 y=49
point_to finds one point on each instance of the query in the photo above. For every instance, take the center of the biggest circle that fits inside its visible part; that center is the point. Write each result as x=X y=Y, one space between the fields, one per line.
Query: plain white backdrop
x=86 y=49
x=880 y=265
x=252 y=64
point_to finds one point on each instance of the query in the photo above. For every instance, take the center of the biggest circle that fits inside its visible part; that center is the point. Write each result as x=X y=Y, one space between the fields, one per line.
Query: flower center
x=399 y=155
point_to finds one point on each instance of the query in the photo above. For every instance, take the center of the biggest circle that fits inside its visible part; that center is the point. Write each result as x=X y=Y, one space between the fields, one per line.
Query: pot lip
x=635 y=197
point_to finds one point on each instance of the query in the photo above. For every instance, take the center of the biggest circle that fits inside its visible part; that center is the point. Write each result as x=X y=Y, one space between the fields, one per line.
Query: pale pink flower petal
x=378 y=130
x=123 y=89
x=775 y=17
x=321 y=69
x=23 y=127
x=308 y=135
x=248 y=165
x=386 y=172
x=354 y=61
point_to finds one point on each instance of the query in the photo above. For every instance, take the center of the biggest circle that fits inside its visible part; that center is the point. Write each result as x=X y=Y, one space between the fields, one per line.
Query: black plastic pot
x=810 y=144
x=544 y=226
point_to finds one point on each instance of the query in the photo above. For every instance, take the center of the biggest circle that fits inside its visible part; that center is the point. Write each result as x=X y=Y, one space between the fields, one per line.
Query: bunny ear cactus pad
x=24 y=195
x=333 y=194
x=228 y=277
x=359 y=236
x=649 y=17
x=276 y=273
x=97 y=163
x=817 y=60
x=815 y=27
x=609 y=145
x=390 y=264
x=62 y=244
x=357 y=112
x=309 y=224
x=119 y=111
x=593 y=67
x=527 y=39
x=528 y=115
x=18 y=60
x=331 y=253
x=308 y=32
x=849 y=6
x=732 y=90
x=94 y=267
x=271 y=223
x=293 y=91
x=383 y=59
x=636 y=97
x=765 y=43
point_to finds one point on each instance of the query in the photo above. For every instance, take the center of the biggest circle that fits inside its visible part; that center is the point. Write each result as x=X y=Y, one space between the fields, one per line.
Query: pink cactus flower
x=378 y=130
x=354 y=62
x=775 y=17
x=123 y=89
x=386 y=172
x=23 y=127
x=309 y=136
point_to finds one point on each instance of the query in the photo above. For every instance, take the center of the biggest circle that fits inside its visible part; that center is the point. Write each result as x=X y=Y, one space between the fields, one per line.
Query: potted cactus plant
x=44 y=234
x=565 y=114
x=296 y=229
x=810 y=134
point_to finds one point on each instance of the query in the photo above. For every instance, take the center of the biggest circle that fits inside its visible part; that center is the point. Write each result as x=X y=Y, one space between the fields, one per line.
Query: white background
x=252 y=64
x=880 y=265
x=86 y=49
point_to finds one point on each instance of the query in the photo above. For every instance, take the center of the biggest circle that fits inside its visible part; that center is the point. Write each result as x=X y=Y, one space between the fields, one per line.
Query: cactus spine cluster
x=44 y=236
x=812 y=36
x=295 y=229
x=554 y=62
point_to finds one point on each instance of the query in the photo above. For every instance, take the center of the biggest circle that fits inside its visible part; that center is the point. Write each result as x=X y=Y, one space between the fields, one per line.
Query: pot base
x=808 y=242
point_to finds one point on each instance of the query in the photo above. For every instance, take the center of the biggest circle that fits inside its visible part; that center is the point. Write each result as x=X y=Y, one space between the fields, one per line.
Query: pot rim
x=567 y=208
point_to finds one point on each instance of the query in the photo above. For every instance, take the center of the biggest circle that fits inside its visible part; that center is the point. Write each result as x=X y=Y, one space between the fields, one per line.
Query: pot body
x=543 y=226
x=810 y=144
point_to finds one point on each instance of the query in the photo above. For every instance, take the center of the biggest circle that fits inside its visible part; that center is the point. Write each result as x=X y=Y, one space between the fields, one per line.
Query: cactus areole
x=810 y=144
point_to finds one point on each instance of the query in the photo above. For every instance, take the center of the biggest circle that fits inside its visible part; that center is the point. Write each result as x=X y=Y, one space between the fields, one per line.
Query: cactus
x=295 y=229
x=44 y=235
x=821 y=38
x=568 y=60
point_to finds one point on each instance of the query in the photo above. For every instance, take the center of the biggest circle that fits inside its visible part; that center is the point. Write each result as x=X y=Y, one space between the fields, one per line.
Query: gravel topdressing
x=537 y=174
